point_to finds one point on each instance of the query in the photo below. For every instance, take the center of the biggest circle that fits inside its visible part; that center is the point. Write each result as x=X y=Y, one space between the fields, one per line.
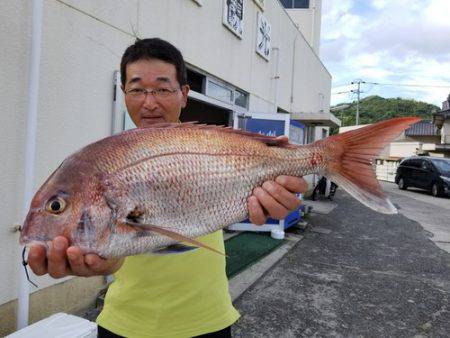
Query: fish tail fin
x=350 y=164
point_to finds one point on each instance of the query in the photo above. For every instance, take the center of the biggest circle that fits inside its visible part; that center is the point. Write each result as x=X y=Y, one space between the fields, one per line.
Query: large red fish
x=146 y=189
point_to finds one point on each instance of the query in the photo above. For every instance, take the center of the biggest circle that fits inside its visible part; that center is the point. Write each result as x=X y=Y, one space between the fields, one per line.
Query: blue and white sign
x=296 y=132
x=266 y=127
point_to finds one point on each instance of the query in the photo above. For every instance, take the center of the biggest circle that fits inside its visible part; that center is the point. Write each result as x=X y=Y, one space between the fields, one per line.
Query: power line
x=408 y=85
x=399 y=85
x=348 y=91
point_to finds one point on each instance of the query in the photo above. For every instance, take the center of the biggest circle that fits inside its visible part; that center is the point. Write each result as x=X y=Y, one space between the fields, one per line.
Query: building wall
x=445 y=132
x=82 y=42
x=308 y=22
x=321 y=132
x=404 y=149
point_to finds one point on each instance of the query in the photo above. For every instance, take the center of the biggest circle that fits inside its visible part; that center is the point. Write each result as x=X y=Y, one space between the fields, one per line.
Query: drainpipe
x=292 y=73
x=30 y=147
x=276 y=78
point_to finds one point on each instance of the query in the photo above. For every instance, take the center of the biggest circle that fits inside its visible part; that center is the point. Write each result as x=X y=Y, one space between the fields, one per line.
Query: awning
x=319 y=119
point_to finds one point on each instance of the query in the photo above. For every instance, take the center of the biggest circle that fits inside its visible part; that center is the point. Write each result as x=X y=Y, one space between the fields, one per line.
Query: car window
x=426 y=165
x=417 y=163
x=442 y=165
x=408 y=163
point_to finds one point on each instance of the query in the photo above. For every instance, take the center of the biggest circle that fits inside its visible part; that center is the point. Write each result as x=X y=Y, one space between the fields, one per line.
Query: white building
x=442 y=121
x=233 y=70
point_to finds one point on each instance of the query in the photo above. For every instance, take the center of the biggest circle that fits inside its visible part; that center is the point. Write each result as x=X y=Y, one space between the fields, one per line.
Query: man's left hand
x=275 y=199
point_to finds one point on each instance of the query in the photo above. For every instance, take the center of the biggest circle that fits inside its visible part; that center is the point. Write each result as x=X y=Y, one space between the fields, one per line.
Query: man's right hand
x=62 y=261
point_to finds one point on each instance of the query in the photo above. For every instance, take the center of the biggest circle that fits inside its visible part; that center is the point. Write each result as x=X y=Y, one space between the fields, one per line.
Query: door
x=427 y=174
x=414 y=173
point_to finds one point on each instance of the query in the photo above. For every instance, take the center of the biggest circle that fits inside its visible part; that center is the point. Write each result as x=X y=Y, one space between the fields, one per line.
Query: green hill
x=376 y=108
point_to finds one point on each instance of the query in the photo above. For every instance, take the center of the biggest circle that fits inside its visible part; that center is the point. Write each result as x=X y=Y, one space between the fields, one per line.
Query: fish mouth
x=45 y=244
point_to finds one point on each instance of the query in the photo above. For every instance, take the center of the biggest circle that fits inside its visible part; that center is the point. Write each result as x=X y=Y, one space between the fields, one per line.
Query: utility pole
x=358 y=92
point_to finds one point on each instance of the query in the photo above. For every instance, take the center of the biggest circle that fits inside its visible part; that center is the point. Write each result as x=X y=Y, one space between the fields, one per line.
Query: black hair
x=154 y=49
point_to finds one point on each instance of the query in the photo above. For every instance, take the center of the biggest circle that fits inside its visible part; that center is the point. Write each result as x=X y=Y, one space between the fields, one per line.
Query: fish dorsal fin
x=169 y=233
x=268 y=140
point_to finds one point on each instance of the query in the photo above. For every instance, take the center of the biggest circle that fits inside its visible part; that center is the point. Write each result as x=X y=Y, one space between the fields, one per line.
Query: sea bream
x=146 y=189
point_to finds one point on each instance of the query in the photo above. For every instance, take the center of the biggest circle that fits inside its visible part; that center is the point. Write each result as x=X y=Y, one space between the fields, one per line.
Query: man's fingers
x=96 y=263
x=57 y=259
x=273 y=207
x=37 y=259
x=255 y=211
x=293 y=184
x=103 y=266
x=281 y=195
x=76 y=262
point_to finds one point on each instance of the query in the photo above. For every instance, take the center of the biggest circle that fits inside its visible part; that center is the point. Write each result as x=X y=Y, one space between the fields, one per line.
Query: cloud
x=402 y=42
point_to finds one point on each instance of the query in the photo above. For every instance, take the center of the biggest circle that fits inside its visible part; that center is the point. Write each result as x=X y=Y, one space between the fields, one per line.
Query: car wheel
x=436 y=190
x=401 y=184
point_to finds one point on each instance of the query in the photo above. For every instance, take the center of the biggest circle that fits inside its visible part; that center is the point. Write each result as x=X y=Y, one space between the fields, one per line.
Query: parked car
x=424 y=172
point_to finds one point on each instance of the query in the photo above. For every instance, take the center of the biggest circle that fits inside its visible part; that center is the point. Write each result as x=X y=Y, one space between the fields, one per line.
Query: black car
x=430 y=173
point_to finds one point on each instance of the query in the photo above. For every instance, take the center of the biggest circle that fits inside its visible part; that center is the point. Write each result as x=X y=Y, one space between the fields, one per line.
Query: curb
x=241 y=282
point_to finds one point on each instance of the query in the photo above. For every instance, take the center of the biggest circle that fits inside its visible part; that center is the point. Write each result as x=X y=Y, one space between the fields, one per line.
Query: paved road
x=418 y=205
x=372 y=275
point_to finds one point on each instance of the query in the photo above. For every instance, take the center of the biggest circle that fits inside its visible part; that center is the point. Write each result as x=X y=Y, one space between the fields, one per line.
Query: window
x=443 y=165
x=406 y=162
x=295 y=3
x=416 y=163
x=219 y=91
x=301 y=4
x=195 y=80
x=425 y=165
x=240 y=98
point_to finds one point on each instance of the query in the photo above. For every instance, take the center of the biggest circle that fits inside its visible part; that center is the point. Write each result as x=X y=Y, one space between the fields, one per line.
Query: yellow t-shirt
x=176 y=295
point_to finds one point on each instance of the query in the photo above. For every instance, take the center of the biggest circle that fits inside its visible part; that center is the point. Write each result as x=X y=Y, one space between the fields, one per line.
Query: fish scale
x=145 y=189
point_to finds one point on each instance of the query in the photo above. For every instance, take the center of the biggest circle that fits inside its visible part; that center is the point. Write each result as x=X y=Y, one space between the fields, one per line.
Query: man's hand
x=275 y=198
x=63 y=261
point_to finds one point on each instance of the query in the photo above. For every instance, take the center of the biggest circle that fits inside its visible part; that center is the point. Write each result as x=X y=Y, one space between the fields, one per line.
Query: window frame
x=293 y=4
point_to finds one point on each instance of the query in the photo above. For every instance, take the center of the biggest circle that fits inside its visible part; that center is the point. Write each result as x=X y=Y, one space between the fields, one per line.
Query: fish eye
x=56 y=205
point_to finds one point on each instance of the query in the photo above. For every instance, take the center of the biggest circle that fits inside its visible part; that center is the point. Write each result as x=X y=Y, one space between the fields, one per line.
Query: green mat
x=246 y=249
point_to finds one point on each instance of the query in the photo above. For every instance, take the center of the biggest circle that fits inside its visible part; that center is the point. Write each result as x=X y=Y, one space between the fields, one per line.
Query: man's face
x=149 y=109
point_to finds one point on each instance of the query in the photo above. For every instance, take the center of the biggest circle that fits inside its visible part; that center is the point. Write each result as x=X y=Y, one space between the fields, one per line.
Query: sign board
x=296 y=132
x=233 y=16
x=263 y=37
x=269 y=124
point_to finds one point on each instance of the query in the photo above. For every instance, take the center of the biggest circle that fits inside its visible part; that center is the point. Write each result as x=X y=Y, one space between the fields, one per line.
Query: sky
x=401 y=42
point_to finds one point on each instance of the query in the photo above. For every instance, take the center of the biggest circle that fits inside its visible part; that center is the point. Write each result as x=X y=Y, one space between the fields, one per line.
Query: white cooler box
x=60 y=325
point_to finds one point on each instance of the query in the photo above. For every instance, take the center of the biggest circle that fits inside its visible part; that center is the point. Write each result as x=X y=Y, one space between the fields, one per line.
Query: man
x=181 y=295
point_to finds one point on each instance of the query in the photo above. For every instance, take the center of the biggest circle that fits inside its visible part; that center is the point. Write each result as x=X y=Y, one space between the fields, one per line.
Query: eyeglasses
x=139 y=94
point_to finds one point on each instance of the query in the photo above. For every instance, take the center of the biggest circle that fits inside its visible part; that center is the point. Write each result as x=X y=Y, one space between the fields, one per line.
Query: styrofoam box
x=59 y=325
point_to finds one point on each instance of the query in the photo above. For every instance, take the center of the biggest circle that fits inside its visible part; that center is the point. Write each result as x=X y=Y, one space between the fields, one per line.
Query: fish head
x=70 y=204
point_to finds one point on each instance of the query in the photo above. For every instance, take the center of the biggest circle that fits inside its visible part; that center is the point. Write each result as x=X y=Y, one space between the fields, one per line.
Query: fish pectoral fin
x=176 y=248
x=172 y=234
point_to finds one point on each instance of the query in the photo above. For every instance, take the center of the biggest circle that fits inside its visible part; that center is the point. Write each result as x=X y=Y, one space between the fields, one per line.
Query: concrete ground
x=364 y=274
